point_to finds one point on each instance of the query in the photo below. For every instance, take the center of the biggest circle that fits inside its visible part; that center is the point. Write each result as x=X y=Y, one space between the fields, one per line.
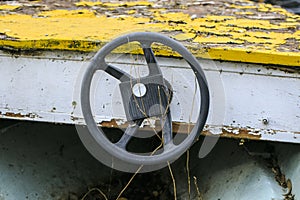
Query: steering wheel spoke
x=129 y=133
x=167 y=133
x=117 y=73
x=151 y=61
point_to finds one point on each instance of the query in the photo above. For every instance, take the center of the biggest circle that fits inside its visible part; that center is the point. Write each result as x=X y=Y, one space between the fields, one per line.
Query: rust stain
x=19 y=115
x=178 y=127
x=112 y=124
x=185 y=128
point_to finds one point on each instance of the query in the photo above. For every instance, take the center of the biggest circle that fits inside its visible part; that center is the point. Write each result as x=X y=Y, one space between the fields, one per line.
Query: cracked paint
x=9 y=7
x=235 y=36
x=115 y=4
x=209 y=130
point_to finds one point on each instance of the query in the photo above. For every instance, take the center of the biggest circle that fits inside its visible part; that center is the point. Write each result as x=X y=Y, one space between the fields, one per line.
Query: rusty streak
x=185 y=128
x=19 y=115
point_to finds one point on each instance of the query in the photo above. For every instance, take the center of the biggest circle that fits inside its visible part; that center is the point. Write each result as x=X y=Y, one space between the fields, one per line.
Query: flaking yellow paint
x=244 y=13
x=9 y=7
x=184 y=36
x=117 y=4
x=256 y=41
x=67 y=13
x=256 y=56
x=217 y=40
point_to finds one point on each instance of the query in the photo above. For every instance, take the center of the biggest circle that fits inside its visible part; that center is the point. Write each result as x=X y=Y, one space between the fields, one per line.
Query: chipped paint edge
x=209 y=130
x=225 y=54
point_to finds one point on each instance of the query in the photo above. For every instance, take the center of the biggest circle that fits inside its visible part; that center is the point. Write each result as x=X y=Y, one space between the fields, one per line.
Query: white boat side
x=248 y=101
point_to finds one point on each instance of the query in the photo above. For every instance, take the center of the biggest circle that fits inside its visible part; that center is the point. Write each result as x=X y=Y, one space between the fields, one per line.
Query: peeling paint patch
x=210 y=130
x=67 y=13
x=184 y=36
x=112 y=124
x=272 y=39
x=116 y=4
x=20 y=115
x=120 y=122
x=241 y=133
x=9 y=7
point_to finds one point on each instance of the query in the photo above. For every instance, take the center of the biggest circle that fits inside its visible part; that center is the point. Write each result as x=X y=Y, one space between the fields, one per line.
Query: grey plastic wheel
x=94 y=138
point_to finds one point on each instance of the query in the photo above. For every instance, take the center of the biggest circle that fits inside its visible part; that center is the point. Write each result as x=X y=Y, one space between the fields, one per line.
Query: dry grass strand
x=94 y=189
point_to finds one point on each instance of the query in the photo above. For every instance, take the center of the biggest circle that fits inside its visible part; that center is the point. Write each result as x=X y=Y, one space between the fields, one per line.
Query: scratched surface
x=225 y=30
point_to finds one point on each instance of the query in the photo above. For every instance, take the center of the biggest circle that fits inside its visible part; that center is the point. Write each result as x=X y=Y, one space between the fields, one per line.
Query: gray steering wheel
x=135 y=94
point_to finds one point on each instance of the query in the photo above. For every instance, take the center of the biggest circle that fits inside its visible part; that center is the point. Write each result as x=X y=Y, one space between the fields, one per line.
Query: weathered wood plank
x=226 y=30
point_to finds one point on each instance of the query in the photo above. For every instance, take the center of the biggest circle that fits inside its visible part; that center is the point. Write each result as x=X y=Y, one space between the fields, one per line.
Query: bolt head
x=139 y=90
x=265 y=121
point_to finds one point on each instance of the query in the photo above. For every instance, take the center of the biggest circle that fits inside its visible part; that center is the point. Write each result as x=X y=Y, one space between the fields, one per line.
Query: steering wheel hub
x=140 y=95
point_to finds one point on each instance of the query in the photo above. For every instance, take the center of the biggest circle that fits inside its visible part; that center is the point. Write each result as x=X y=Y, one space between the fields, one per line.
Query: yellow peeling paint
x=67 y=13
x=255 y=56
x=250 y=23
x=118 y=4
x=231 y=38
x=263 y=8
x=244 y=13
x=217 y=18
x=25 y=27
x=173 y=17
x=296 y=35
x=130 y=12
x=217 y=40
x=243 y=7
x=263 y=37
x=9 y=7
x=89 y=3
x=184 y=36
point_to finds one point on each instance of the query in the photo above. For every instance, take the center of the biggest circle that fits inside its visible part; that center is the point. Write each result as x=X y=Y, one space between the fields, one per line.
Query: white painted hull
x=259 y=101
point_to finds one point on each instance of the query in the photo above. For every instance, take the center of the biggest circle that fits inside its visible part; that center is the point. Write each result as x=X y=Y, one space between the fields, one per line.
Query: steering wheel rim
x=171 y=152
